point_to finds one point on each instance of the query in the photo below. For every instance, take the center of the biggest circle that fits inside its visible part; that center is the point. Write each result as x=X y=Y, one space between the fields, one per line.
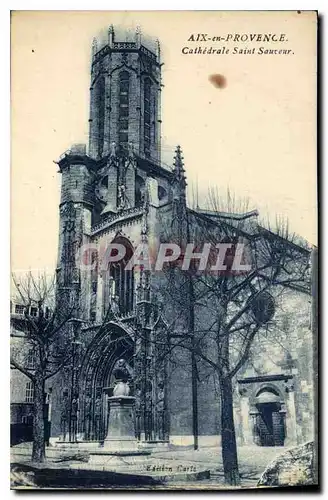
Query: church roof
x=229 y=215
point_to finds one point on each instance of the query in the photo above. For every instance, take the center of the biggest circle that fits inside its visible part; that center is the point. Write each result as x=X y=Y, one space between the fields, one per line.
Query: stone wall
x=285 y=349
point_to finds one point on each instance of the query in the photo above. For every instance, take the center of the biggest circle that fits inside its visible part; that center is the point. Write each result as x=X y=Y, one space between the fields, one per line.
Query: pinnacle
x=111 y=33
x=178 y=163
x=94 y=45
x=158 y=46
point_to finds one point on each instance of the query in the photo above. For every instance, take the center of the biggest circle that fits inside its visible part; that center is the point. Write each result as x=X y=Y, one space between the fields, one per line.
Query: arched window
x=147 y=114
x=100 y=96
x=119 y=288
x=267 y=395
x=123 y=127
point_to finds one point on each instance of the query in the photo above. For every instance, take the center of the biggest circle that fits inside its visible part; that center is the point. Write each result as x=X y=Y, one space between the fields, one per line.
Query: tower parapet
x=76 y=169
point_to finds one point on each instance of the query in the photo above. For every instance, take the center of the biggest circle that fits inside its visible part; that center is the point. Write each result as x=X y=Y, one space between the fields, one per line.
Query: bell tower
x=125 y=96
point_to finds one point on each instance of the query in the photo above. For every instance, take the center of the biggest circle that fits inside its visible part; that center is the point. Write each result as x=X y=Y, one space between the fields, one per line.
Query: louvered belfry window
x=147 y=120
x=123 y=128
x=100 y=93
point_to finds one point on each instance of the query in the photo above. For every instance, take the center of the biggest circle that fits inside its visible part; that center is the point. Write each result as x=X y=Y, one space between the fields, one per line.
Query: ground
x=252 y=462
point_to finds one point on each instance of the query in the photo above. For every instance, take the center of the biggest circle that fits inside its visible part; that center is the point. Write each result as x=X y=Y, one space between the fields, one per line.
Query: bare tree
x=238 y=304
x=51 y=326
x=48 y=331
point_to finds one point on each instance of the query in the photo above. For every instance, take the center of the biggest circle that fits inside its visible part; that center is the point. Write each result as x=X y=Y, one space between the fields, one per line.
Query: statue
x=160 y=411
x=113 y=149
x=148 y=416
x=121 y=431
x=121 y=196
x=115 y=304
x=64 y=415
x=87 y=418
x=130 y=150
x=122 y=377
x=98 y=405
x=74 y=417
x=138 y=412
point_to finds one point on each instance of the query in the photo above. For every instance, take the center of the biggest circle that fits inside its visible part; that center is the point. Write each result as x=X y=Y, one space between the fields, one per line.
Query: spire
x=179 y=211
x=144 y=223
x=158 y=47
x=178 y=170
x=143 y=288
x=197 y=193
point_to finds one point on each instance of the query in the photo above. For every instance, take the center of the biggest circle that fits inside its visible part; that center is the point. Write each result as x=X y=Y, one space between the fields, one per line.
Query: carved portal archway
x=96 y=374
x=147 y=383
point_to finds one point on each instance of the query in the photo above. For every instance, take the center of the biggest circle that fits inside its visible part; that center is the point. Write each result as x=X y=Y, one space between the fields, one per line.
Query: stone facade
x=281 y=370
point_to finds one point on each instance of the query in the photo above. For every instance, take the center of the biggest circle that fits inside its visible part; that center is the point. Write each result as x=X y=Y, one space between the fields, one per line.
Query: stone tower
x=124 y=146
x=75 y=213
x=125 y=97
x=116 y=192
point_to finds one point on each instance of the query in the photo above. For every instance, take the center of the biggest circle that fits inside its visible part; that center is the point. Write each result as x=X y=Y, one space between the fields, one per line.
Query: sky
x=257 y=135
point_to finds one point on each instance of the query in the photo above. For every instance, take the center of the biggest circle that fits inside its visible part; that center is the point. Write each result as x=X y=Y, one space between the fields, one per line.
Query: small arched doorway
x=269 y=427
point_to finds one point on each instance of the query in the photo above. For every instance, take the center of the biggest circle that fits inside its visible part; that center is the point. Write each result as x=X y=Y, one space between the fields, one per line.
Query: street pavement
x=252 y=461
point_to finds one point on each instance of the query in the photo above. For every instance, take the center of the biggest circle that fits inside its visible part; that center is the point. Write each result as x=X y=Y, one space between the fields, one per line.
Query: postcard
x=164 y=250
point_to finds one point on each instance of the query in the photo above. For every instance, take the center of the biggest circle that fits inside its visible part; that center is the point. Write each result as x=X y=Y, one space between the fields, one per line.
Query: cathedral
x=117 y=190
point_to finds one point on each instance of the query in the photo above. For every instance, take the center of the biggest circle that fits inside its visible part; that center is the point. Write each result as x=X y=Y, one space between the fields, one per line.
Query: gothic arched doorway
x=96 y=376
x=269 y=428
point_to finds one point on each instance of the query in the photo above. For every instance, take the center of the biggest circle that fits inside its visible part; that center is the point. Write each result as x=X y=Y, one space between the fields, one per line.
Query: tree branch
x=245 y=354
x=21 y=368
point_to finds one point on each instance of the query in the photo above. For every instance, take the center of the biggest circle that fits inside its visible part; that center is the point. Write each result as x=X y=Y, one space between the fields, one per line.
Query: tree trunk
x=38 y=452
x=228 y=436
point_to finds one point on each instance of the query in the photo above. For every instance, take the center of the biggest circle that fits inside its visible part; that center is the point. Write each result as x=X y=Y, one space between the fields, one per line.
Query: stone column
x=112 y=172
x=254 y=425
x=99 y=301
x=291 y=430
x=256 y=431
x=246 y=421
x=237 y=421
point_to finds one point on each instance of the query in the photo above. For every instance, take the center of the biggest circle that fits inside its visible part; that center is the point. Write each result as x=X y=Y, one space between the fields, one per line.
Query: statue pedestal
x=121 y=433
x=120 y=446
